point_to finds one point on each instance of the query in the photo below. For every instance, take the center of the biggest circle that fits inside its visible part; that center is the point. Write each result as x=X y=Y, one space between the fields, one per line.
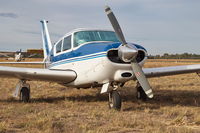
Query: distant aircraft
x=86 y=58
x=18 y=56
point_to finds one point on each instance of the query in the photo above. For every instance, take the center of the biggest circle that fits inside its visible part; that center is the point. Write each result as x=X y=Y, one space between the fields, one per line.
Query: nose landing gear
x=114 y=100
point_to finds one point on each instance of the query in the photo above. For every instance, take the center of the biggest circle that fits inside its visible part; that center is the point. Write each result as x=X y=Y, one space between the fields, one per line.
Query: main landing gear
x=23 y=91
x=25 y=94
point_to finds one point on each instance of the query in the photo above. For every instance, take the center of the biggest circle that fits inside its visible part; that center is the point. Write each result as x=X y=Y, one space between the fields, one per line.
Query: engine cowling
x=113 y=56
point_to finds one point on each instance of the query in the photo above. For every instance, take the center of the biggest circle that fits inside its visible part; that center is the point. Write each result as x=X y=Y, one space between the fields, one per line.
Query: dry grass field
x=57 y=109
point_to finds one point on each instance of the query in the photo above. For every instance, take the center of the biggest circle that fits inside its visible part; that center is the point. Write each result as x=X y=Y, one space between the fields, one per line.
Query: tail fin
x=47 y=46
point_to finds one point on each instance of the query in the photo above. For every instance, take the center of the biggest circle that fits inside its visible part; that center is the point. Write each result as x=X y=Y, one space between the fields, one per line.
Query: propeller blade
x=115 y=25
x=142 y=79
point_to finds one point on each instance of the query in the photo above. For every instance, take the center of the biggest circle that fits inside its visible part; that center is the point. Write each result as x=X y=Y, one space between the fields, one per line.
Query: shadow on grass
x=168 y=98
x=161 y=98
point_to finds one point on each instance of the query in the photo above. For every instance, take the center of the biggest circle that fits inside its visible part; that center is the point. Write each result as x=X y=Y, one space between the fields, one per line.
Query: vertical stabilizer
x=47 y=46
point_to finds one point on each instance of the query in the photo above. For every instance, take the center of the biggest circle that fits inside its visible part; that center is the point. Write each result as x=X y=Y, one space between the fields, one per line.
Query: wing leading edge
x=172 y=70
x=61 y=76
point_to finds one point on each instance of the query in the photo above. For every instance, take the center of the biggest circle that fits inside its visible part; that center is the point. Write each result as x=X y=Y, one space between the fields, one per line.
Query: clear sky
x=161 y=26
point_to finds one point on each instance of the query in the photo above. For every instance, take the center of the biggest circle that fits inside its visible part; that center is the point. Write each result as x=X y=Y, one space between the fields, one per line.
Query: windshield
x=90 y=36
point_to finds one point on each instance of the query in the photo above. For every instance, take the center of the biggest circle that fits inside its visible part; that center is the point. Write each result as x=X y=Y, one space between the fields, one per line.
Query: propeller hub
x=127 y=52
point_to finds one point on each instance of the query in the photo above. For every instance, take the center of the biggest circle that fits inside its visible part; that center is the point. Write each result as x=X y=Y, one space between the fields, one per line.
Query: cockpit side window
x=67 y=43
x=58 y=47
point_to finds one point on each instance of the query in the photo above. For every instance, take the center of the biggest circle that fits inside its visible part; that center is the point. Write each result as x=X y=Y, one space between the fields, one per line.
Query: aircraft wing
x=172 y=70
x=4 y=55
x=60 y=76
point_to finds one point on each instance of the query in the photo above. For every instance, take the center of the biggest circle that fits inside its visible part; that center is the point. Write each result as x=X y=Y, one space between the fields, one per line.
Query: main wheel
x=114 y=100
x=141 y=94
x=25 y=94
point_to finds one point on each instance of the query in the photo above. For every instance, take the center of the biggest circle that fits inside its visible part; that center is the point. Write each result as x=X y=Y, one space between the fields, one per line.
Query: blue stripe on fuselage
x=88 y=49
x=78 y=59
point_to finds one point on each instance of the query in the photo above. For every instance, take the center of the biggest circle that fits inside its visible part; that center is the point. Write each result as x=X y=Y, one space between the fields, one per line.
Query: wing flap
x=173 y=70
x=63 y=76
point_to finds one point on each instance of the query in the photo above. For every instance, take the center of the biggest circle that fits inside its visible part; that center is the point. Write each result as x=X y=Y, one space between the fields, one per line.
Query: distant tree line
x=175 y=56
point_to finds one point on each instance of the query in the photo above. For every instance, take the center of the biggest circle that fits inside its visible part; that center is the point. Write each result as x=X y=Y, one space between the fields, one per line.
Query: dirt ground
x=57 y=109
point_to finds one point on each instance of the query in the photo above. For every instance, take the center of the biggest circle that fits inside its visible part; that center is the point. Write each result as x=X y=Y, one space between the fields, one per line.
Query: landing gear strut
x=114 y=100
x=140 y=94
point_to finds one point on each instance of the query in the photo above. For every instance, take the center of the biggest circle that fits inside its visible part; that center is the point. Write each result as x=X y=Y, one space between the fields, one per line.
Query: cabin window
x=67 y=43
x=91 y=36
x=58 y=47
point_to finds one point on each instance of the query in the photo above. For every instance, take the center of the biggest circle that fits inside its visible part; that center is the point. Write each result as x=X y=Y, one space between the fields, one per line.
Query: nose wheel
x=114 y=100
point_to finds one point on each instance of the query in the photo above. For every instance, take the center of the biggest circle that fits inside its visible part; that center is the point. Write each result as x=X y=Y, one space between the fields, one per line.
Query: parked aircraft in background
x=17 y=56
x=85 y=58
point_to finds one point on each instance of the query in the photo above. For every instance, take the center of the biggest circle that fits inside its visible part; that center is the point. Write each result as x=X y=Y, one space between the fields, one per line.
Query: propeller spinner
x=128 y=53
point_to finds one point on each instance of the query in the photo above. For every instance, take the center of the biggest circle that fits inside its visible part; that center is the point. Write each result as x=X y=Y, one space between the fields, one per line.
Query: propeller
x=128 y=53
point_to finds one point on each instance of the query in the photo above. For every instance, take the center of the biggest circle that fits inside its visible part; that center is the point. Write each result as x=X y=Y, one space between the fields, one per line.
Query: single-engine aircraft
x=85 y=58
x=18 y=56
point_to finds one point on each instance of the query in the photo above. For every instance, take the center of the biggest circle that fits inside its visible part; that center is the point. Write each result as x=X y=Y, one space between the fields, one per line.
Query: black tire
x=140 y=94
x=25 y=94
x=115 y=100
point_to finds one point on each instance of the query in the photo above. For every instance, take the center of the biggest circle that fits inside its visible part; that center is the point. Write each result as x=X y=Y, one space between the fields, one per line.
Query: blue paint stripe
x=86 y=49
x=79 y=59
